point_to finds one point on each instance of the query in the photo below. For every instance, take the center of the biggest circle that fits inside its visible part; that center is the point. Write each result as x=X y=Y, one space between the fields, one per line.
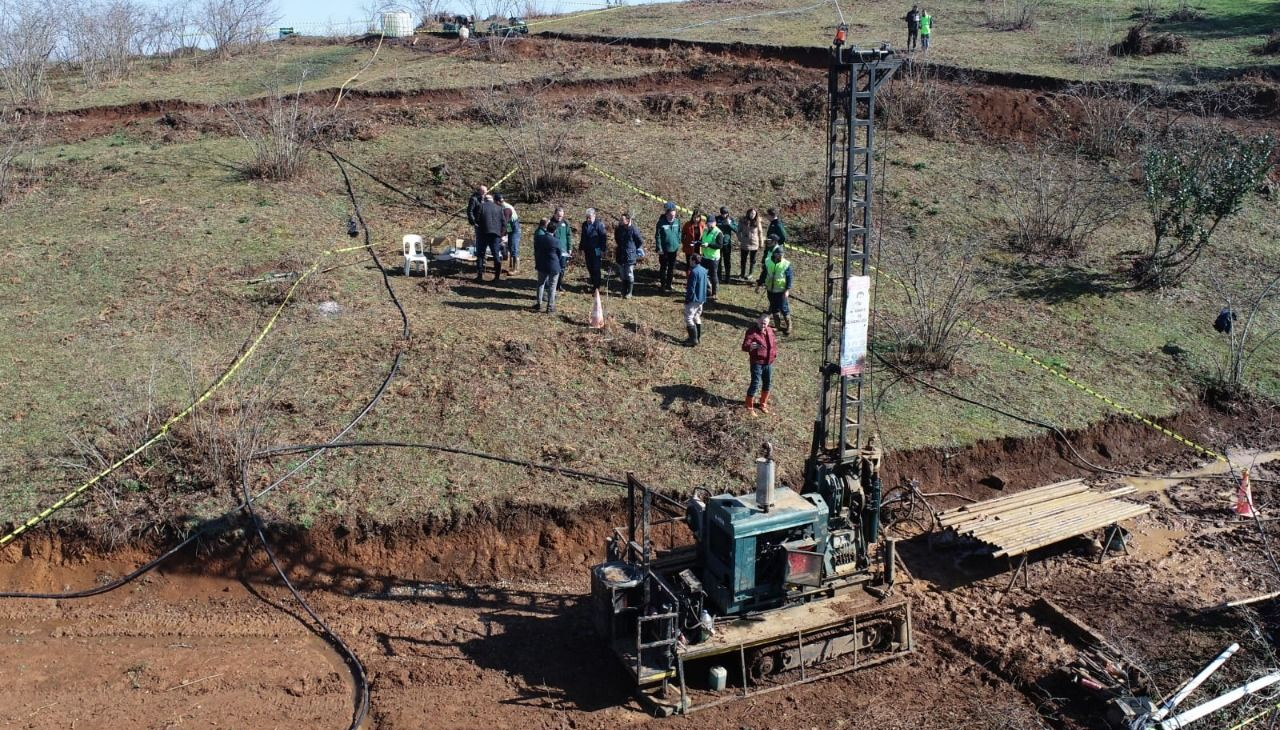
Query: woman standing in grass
x=750 y=236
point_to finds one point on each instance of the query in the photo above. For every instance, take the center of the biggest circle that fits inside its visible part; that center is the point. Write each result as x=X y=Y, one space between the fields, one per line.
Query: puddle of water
x=1238 y=459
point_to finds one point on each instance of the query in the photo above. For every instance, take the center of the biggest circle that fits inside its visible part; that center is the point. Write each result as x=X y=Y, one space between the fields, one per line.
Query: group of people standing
x=706 y=241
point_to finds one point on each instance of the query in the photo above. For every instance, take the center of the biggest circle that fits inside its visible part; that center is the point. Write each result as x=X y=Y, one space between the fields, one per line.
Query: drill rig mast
x=781 y=580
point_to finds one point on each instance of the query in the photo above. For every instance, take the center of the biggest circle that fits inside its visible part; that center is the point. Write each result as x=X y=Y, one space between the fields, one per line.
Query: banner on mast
x=857 y=317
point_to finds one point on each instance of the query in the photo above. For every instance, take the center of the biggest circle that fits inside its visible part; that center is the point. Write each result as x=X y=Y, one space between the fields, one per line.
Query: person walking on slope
x=594 y=242
x=488 y=236
x=913 y=26
x=695 y=296
x=776 y=277
x=666 y=239
x=510 y=231
x=926 y=29
x=710 y=248
x=627 y=241
x=728 y=231
x=761 y=345
x=750 y=236
x=776 y=230
x=691 y=236
x=547 y=262
x=564 y=235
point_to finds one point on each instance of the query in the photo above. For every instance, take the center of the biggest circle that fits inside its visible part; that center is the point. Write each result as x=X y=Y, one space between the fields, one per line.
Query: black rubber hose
x=358 y=676
x=417 y=199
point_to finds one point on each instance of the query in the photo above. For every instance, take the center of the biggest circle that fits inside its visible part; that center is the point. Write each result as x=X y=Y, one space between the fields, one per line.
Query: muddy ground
x=485 y=624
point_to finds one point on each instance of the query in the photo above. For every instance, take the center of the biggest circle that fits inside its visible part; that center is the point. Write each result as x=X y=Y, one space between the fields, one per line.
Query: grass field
x=432 y=64
x=1068 y=39
x=148 y=298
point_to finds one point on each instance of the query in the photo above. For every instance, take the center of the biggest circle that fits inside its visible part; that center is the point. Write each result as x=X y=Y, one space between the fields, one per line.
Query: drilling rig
x=777 y=586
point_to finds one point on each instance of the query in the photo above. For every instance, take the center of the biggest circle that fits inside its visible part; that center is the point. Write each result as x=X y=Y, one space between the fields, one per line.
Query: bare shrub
x=1011 y=14
x=198 y=457
x=1056 y=202
x=539 y=140
x=103 y=38
x=1089 y=48
x=917 y=101
x=235 y=24
x=28 y=39
x=943 y=289
x=281 y=133
x=1251 y=320
x=1107 y=120
x=1193 y=179
x=1139 y=41
x=20 y=134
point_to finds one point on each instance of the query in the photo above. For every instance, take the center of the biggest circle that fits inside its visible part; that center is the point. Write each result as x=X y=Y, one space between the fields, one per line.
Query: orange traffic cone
x=597 y=313
x=1244 y=497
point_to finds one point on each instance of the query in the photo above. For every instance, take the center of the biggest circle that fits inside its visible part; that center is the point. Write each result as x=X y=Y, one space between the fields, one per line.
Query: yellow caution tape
x=1003 y=344
x=208 y=393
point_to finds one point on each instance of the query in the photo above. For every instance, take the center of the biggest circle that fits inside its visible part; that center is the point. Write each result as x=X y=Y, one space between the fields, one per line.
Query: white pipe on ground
x=1176 y=699
x=1212 y=706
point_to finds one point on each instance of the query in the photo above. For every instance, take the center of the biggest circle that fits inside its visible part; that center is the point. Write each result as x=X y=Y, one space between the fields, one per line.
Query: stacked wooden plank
x=1022 y=522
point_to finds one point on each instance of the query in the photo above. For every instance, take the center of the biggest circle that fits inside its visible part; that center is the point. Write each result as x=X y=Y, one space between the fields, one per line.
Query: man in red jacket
x=761 y=346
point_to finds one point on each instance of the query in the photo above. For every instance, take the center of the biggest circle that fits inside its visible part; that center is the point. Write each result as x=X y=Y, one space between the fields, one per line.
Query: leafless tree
x=279 y=133
x=1012 y=14
x=104 y=38
x=944 y=289
x=1251 y=318
x=1107 y=121
x=1056 y=201
x=28 y=39
x=540 y=141
x=232 y=24
x=20 y=134
x=918 y=101
x=174 y=27
x=426 y=9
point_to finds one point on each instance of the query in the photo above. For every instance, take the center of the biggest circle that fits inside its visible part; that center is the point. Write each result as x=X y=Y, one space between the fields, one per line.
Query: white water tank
x=397 y=25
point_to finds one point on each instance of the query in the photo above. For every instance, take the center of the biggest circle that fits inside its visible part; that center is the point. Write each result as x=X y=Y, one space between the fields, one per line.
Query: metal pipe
x=1168 y=705
x=1212 y=706
x=890 y=561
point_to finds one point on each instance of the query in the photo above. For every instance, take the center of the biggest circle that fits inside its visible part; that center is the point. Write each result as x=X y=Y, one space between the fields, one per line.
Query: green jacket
x=667 y=235
x=564 y=234
x=926 y=24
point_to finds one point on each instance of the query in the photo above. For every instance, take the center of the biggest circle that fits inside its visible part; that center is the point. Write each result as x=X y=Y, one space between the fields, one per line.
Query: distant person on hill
x=761 y=345
x=666 y=239
x=691 y=236
x=546 y=259
x=728 y=230
x=594 y=240
x=750 y=236
x=511 y=231
x=926 y=29
x=695 y=296
x=776 y=230
x=489 y=237
x=913 y=26
x=627 y=242
x=564 y=234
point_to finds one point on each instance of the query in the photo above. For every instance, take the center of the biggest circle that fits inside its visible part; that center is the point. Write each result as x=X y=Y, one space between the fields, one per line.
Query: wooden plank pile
x=1017 y=524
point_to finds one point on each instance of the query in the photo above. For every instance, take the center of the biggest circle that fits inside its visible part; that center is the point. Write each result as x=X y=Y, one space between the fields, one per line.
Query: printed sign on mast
x=857 y=316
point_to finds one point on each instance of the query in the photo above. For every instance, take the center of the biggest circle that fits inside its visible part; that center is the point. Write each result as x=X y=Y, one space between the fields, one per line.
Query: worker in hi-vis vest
x=709 y=248
x=777 y=279
x=926 y=29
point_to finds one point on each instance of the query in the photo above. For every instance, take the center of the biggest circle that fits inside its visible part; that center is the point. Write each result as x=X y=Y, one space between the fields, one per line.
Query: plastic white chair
x=413 y=253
